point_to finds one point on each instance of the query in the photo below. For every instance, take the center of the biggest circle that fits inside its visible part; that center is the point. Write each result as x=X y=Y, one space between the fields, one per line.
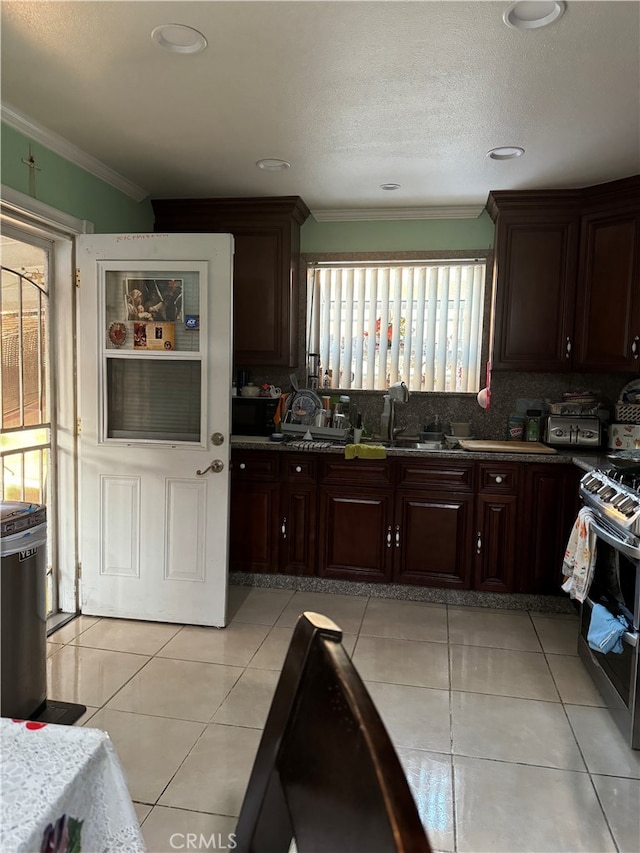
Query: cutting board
x=505 y=446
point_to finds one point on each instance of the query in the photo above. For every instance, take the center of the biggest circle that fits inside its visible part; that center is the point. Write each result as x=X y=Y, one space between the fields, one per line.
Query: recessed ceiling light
x=505 y=152
x=390 y=186
x=531 y=14
x=178 y=38
x=272 y=164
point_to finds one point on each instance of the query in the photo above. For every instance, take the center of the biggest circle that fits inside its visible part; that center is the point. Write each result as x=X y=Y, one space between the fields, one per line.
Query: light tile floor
x=504 y=739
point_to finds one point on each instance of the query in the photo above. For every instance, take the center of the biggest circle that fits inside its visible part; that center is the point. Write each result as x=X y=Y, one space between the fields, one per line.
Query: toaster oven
x=574 y=430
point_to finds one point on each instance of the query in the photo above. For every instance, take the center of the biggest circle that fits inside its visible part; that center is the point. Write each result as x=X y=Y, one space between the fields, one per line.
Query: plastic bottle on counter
x=533 y=424
x=516 y=427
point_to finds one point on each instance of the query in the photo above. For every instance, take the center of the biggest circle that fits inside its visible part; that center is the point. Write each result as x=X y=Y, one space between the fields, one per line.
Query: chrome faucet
x=398 y=393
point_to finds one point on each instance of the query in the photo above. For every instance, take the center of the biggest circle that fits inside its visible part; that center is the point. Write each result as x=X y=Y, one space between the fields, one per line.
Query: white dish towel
x=580 y=556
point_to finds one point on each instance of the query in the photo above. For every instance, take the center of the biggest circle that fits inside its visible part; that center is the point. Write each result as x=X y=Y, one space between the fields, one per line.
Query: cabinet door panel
x=261 y=311
x=536 y=272
x=253 y=545
x=548 y=511
x=608 y=310
x=298 y=530
x=434 y=535
x=352 y=534
x=494 y=541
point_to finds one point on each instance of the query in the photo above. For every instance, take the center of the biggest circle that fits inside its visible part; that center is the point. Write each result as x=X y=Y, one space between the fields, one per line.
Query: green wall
x=397 y=236
x=67 y=187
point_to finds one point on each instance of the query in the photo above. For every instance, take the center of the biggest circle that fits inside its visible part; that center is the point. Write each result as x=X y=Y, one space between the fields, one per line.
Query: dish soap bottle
x=385 y=419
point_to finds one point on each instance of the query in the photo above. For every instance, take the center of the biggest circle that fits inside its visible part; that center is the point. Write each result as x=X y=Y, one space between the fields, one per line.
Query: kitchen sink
x=413 y=445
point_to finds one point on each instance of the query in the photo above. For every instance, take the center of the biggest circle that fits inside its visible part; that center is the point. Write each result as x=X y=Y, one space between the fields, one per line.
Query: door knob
x=216 y=466
x=217 y=439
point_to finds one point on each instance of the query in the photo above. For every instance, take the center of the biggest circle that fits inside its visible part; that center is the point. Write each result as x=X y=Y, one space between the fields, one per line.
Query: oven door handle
x=631 y=551
x=630 y=638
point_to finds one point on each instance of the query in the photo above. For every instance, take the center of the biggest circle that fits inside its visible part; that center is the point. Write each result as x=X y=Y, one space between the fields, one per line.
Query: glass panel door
x=28 y=435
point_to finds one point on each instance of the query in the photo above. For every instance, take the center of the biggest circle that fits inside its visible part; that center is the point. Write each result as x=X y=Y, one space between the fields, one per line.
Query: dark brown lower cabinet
x=254 y=532
x=431 y=539
x=549 y=508
x=355 y=524
x=494 y=527
x=273 y=513
x=496 y=520
x=494 y=542
x=298 y=517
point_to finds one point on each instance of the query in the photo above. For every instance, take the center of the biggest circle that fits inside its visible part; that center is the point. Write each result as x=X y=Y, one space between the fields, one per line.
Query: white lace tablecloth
x=62 y=790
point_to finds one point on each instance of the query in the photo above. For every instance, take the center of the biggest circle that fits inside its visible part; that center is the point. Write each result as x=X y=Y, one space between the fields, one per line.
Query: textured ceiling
x=352 y=94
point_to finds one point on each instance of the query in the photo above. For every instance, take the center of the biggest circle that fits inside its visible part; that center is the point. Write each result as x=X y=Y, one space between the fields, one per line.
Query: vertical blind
x=419 y=322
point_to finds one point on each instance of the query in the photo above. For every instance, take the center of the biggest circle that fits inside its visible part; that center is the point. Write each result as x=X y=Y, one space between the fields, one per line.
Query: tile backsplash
x=506 y=388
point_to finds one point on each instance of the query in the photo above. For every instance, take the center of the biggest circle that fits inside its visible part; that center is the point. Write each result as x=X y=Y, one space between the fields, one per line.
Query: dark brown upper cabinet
x=567 y=279
x=608 y=297
x=266 y=232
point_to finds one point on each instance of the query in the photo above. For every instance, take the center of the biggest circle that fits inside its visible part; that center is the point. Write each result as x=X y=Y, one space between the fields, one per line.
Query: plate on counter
x=304 y=407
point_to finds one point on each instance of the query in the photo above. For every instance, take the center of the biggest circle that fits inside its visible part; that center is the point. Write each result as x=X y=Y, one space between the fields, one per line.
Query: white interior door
x=154 y=363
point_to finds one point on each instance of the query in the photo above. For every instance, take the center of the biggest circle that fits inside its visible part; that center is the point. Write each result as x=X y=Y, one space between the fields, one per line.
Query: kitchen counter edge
x=585 y=460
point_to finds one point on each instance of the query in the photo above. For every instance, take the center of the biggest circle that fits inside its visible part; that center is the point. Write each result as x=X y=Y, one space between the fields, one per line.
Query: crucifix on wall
x=30 y=161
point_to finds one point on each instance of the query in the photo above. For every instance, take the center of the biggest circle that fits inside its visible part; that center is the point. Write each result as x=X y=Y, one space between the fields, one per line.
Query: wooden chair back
x=326 y=772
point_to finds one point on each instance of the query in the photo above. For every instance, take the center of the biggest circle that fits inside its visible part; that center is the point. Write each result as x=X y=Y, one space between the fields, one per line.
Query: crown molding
x=59 y=145
x=31 y=211
x=397 y=213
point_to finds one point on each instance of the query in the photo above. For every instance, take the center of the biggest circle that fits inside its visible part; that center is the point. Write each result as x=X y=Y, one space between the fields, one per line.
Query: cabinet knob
x=389 y=536
x=568 y=351
x=498 y=478
x=284 y=528
x=242 y=466
x=397 y=535
x=634 y=346
x=479 y=542
x=298 y=469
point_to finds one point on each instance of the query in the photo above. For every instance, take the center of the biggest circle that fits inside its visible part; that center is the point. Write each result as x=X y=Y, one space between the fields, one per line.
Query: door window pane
x=152 y=311
x=153 y=399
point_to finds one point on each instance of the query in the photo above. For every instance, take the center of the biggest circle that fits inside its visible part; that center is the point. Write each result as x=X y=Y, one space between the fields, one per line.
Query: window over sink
x=376 y=322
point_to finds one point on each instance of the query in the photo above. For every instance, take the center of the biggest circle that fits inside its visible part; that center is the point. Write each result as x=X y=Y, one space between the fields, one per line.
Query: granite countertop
x=585 y=459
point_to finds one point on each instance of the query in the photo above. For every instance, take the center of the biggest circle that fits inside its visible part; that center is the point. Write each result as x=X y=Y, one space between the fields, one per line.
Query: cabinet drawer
x=252 y=465
x=360 y=472
x=299 y=469
x=498 y=478
x=434 y=475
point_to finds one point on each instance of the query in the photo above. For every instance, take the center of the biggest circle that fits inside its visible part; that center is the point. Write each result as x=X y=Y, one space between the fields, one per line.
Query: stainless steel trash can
x=23 y=608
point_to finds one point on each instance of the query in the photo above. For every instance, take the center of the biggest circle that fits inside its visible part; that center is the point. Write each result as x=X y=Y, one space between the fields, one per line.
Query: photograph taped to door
x=156 y=299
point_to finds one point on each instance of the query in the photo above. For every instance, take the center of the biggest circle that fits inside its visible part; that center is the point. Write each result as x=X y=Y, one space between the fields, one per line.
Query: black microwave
x=253 y=415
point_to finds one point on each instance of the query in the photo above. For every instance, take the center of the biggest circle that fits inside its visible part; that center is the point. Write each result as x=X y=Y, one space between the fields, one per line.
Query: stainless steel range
x=614 y=497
